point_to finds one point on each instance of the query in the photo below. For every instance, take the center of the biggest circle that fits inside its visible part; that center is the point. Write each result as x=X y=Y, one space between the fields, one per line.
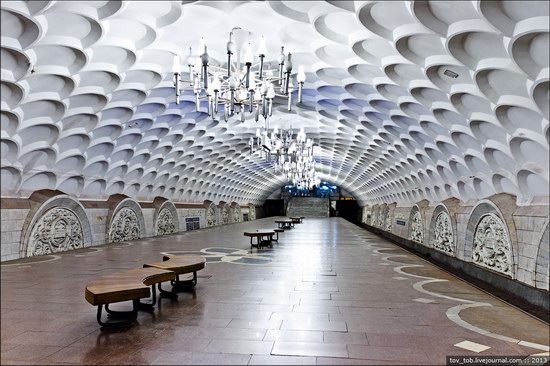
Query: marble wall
x=49 y=221
x=494 y=234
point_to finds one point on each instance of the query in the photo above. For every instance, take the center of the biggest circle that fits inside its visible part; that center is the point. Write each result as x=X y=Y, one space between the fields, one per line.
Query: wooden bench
x=285 y=224
x=263 y=238
x=131 y=285
x=179 y=264
x=296 y=220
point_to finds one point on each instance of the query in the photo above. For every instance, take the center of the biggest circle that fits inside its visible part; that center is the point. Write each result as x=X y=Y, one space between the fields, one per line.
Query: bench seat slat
x=123 y=286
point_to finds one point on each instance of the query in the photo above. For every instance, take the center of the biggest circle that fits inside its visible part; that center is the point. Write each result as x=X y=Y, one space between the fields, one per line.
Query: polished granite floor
x=328 y=293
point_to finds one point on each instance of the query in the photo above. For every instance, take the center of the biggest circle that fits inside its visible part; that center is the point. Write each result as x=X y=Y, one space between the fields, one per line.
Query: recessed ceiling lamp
x=244 y=85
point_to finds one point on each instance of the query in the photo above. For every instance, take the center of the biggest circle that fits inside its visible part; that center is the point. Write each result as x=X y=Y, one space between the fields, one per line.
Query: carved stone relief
x=443 y=234
x=492 y=247
x=368 y=217
x=225 y=215
x=381 y=218
x=374 y=218
x=58 y=230
x=417 y=228
x=388 y=222
x=211 y=216
x=166 y=222
x=124 y=226
x=237 y=216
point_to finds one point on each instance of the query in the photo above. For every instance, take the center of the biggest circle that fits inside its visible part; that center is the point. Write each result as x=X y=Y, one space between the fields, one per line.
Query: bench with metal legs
x=179 y=264
x=131 y=285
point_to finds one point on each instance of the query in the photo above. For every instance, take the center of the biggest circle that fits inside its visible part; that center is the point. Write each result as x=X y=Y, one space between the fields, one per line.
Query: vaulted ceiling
x=88 y=104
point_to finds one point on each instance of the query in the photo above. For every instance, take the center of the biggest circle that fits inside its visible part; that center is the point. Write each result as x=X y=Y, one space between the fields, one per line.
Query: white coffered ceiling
x=88 y=102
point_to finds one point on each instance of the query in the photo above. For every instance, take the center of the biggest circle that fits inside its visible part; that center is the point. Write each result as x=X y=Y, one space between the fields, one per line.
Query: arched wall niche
x=165 y=218
x=541 y=272
x=417 y=222
x=125 y=219
x=443 y=232
x=210 y=213
x=374 y=215
x=55 y=223
x=236 y=214
x=224 y=213
x=389 y=218
x=382 y=213
x=491 y=238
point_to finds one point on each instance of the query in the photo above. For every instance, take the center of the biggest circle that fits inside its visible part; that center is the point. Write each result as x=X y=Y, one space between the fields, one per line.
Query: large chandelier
x=291 y=156
x=245 y=85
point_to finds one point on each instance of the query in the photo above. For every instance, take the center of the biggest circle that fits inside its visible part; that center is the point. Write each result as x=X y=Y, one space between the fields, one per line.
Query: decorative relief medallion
x=443 y=234
x=251 y=212
x=166 y=223
x=58 y=230
x=364 y=216
x=492 y=247
x=124 y=226
x=211 y=216
x=237 y=216
x=417 y=229
x=374 y=218
x=381 y=218
x=225 y=215
x=388 y=222
x=368 y=217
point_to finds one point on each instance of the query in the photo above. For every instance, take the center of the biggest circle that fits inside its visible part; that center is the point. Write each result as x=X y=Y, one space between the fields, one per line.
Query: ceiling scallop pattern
x=88 y=105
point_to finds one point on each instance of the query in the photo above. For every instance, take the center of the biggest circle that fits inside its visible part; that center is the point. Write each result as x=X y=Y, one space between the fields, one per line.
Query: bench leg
x=179 y=286
x=168 y=294
x=148 y=306
x=123 y=318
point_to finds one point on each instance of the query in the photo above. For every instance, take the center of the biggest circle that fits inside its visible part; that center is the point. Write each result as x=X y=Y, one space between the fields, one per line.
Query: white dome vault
x=88 y=102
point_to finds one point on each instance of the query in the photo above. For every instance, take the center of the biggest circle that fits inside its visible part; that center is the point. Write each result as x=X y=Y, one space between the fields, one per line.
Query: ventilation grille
x=450 y=73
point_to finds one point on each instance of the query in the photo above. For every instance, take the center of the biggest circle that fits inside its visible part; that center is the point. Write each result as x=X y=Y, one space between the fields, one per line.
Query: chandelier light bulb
x=216 y=86
x=176 y=66
x=262 y=48
x=301 y=77
x=270 y=91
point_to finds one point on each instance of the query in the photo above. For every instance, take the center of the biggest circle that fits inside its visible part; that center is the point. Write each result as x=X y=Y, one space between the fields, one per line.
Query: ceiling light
x=243 y=84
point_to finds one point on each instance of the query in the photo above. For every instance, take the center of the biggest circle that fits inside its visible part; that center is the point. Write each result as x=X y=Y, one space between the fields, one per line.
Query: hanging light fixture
x=291 y=155
x=238 y=88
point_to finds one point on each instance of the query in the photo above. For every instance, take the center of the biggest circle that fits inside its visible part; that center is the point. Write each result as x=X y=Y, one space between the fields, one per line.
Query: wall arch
x=210 y=214
x=56 y=223
x=443 y=233
x=417 y=222
x=382 y=213
x=491 y=239
x=236 y=214
x=165 y=219
x=224 y=212
x=125 y=219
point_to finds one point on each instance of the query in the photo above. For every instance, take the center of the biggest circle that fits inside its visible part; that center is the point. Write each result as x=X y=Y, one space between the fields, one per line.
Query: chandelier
x=290 y=156
x=247 y=86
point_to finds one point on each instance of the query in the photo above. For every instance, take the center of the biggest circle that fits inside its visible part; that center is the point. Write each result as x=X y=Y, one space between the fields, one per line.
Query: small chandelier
x=290 y=156
x=241 y=86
